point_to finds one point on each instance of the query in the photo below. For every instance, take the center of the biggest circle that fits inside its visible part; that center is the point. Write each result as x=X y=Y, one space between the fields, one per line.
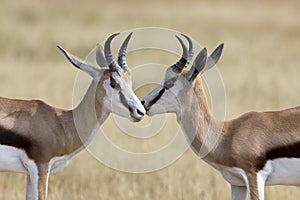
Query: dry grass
x=259 y=68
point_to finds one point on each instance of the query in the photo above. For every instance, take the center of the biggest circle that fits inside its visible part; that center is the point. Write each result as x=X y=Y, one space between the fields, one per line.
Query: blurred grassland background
x=260 y=68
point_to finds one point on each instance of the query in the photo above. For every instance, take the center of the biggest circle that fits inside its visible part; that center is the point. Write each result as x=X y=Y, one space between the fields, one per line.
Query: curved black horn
x=112 y=64
x=122 y=52
x=181 y=63
x=191 y=48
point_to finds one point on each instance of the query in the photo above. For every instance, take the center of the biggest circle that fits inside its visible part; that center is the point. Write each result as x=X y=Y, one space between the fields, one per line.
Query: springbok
x=39 y=140
x=254 y=150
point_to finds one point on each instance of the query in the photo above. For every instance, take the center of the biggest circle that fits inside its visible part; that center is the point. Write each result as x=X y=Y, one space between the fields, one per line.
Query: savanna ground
x=260 y=69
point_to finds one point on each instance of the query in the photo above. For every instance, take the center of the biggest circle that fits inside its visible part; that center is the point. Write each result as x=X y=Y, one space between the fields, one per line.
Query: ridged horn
x=122 y=52
x=181 y=63
x=191 y=48
x=112 y=64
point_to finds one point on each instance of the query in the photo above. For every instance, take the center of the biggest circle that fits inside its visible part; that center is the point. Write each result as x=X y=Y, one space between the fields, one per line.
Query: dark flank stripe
x=13 y=139
x=287 y=151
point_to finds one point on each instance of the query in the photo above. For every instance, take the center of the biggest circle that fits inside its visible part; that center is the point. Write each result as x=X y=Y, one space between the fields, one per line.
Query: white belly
x=12 y=159
x=283 y=171
x=286 y=171
x=16 y=160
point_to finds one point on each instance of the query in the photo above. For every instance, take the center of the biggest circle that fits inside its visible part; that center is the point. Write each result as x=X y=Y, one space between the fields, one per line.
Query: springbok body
x=39 y=140
x=254 y=150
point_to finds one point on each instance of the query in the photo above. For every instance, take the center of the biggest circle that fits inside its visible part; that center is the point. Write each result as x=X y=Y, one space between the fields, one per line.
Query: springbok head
x=177 y=86
x=114 y=84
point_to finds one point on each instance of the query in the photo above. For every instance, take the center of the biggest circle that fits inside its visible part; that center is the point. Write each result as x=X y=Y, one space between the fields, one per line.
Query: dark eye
x=168 y=85
x=115 y=85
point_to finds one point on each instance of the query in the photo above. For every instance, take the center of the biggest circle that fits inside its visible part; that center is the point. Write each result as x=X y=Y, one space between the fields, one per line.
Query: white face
x=166 y=97
x=175 y=93
x=120 y=98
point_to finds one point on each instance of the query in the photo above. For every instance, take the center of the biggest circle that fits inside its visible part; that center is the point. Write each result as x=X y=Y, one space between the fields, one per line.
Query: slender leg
x=238 y=192
x=256 y=186
x=32 y=181
x=43 y=181
x=261 y=179
x=29 y=188
x=37 y=181
x=42 y=187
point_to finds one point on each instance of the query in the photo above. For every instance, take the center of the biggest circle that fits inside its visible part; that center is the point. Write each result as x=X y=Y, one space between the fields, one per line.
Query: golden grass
x=259 y=68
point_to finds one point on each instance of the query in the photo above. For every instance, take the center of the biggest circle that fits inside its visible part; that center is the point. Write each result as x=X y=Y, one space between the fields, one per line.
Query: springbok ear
x=198 y=65
x=100 y=57
x=213 y=58
x=81 y=64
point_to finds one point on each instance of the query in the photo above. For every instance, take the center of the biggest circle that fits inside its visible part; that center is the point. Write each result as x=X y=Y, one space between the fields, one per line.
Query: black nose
x=143 y=102
x=139 y=112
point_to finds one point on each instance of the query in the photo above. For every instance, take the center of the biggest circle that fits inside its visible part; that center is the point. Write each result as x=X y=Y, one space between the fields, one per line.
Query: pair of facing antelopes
x=252 y=151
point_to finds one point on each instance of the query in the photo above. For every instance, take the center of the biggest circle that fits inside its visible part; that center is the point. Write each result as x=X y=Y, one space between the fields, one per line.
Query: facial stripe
x=124 y=102
x=161 y=92
x=122 y=97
